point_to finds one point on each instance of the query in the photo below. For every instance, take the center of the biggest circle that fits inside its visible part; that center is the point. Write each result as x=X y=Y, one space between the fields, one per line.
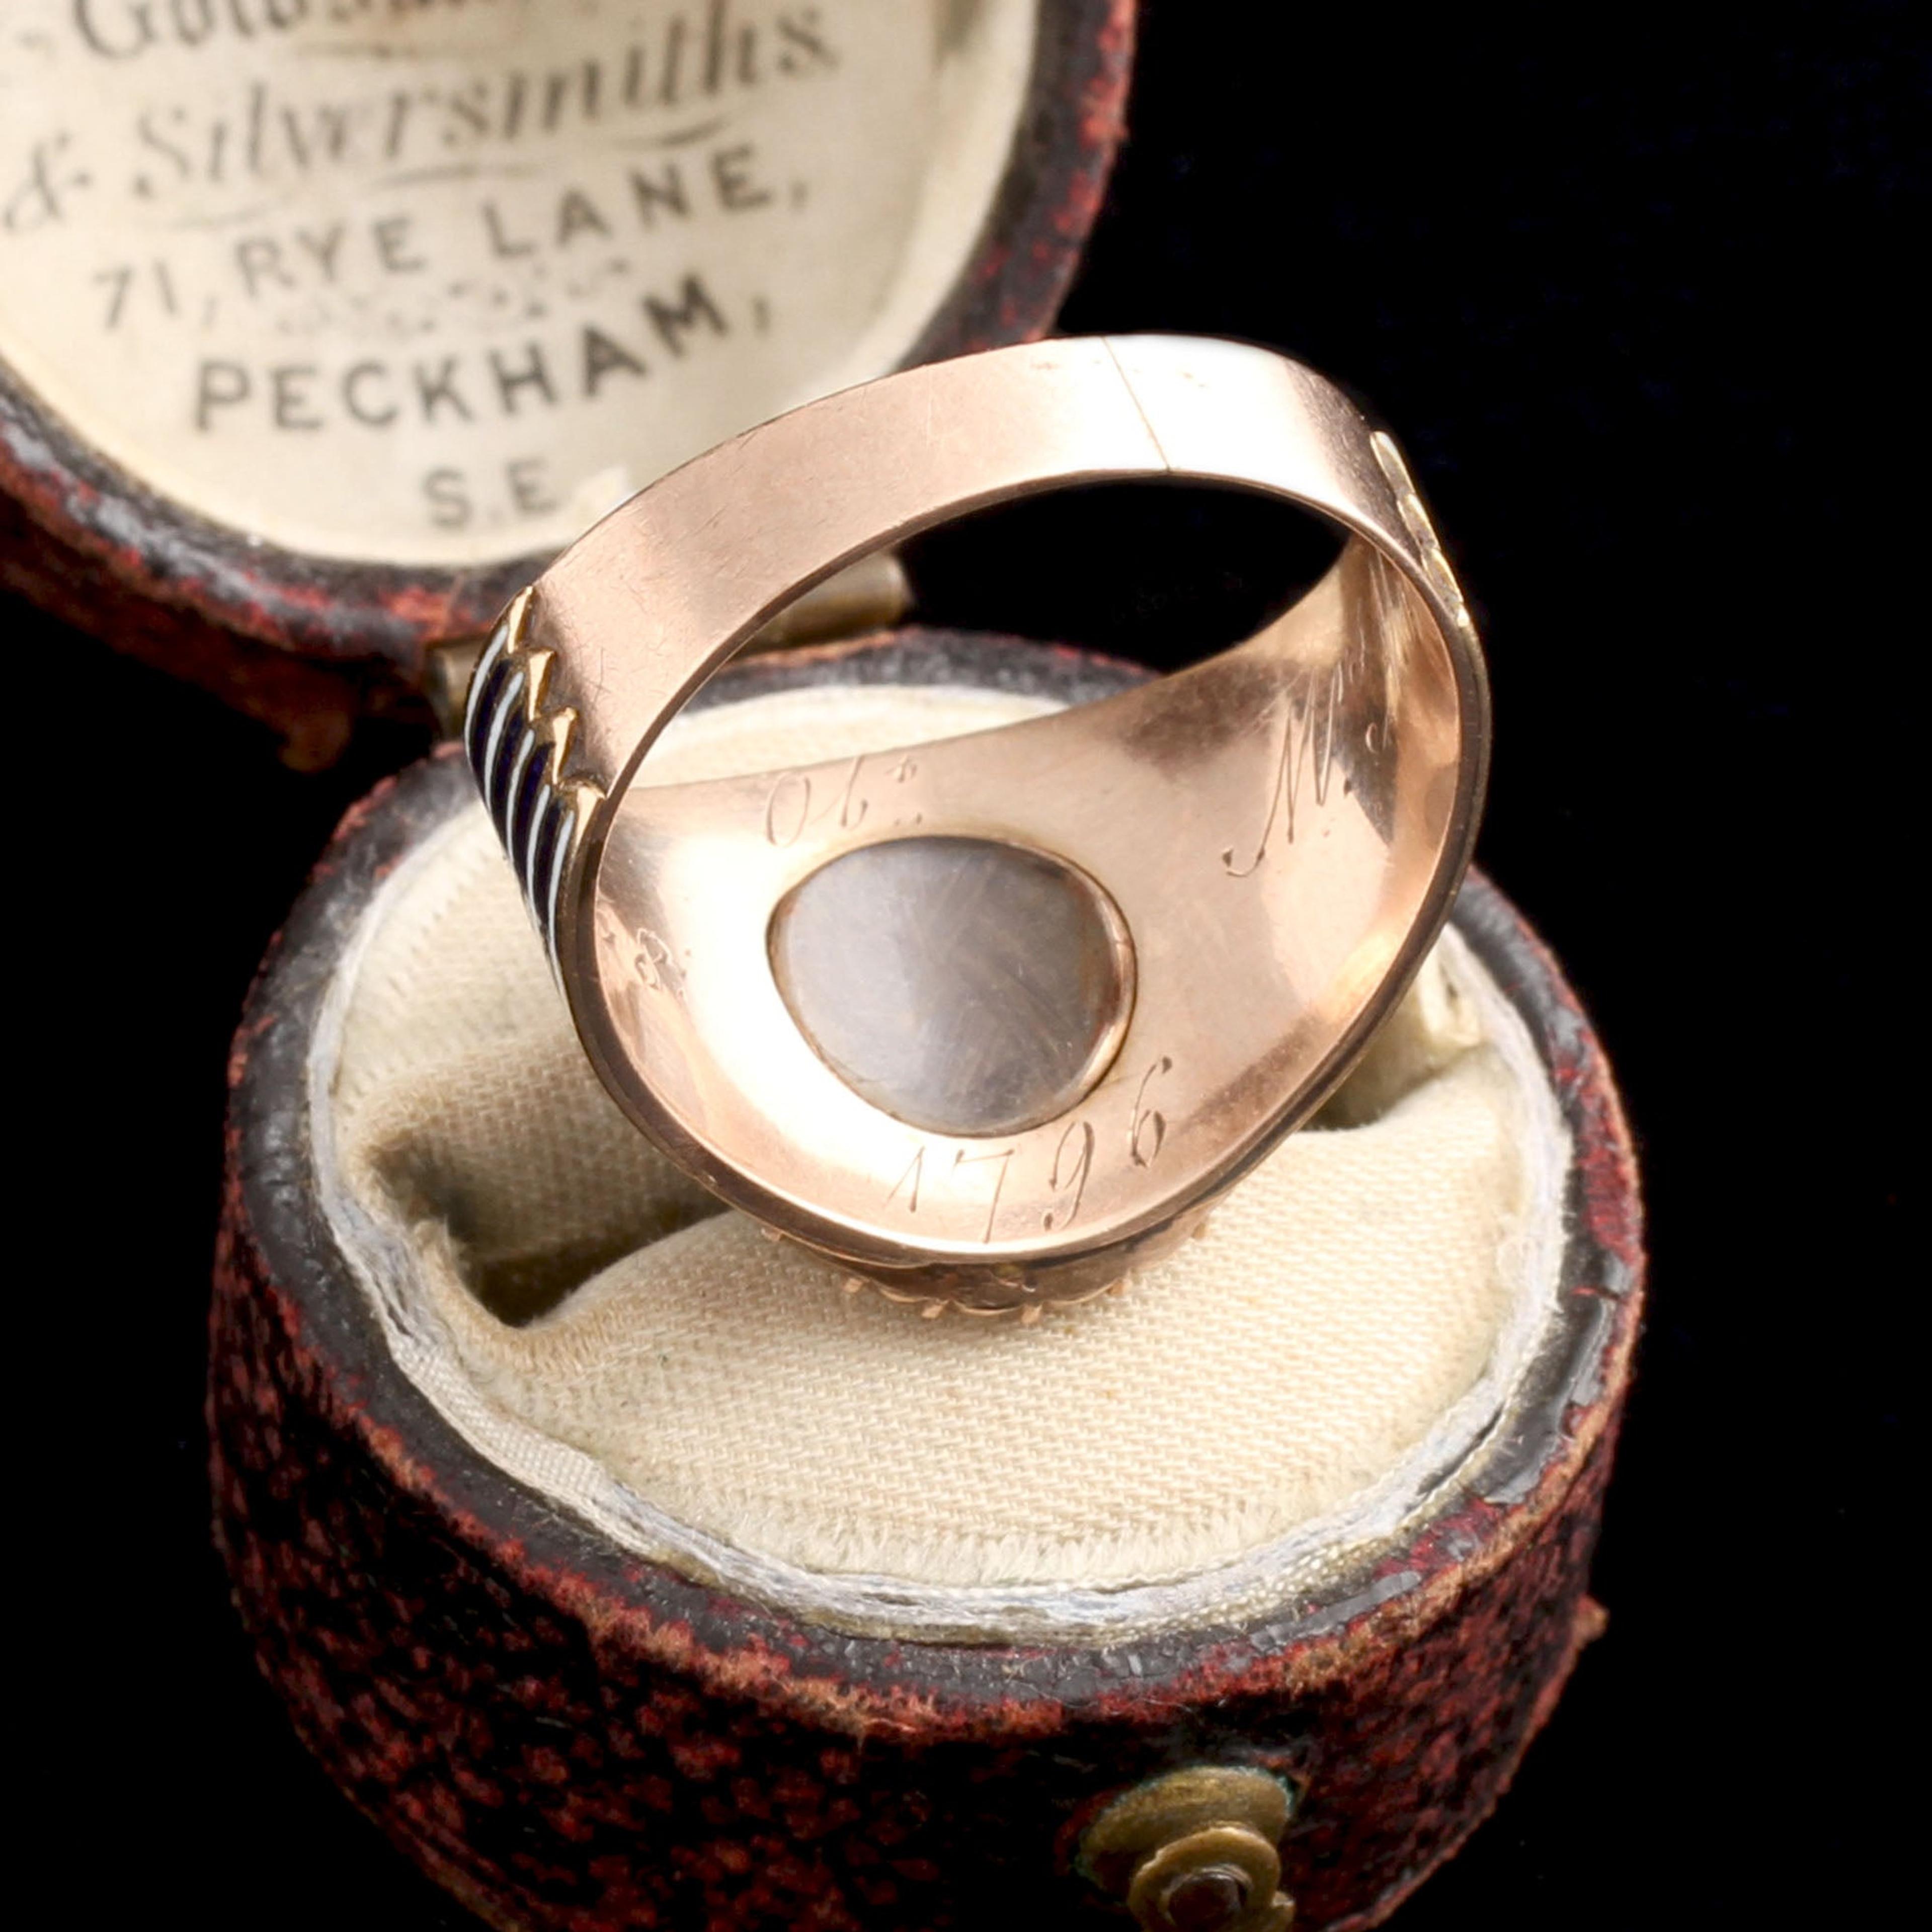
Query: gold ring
x=993 y=1020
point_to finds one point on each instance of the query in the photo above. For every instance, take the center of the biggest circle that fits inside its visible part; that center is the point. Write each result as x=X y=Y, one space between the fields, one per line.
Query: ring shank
x=1288 y=820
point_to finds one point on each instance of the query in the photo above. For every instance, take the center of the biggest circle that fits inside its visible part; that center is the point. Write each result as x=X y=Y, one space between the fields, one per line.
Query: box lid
x=324 y=322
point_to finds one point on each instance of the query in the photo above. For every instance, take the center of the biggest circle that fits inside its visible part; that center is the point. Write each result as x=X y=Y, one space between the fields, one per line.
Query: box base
x=566 y=1734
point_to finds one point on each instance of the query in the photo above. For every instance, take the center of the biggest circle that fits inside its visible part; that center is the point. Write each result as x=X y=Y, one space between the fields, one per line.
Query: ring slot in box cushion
x=617 y=1560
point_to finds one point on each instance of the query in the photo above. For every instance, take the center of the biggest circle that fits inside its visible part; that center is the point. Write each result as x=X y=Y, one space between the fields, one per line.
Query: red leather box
x=484 y=1485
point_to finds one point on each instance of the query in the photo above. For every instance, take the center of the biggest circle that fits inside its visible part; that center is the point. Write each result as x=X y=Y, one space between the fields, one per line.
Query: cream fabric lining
x=1219 y=1440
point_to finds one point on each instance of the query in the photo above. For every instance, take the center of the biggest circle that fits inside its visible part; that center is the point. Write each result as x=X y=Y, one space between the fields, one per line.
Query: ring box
x=619 y=1566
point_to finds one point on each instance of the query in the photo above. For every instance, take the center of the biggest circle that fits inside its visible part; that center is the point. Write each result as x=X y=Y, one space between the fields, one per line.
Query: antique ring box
x=992 y=1023
x=623 y=1571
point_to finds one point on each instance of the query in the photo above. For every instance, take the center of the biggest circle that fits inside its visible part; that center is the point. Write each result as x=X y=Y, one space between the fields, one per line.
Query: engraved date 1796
x=977 y=1180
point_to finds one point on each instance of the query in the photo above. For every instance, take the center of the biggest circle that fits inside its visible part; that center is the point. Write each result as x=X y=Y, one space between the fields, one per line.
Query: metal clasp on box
x=1195 y=1851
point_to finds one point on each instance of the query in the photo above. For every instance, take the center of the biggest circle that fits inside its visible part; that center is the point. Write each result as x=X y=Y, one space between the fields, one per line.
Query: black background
x=1631 y=284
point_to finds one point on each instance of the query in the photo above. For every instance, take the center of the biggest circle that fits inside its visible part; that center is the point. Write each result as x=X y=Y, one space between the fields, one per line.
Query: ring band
x=1196 y=900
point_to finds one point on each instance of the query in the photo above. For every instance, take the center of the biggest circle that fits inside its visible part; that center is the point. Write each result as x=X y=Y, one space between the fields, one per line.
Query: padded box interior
x=1234 y=1426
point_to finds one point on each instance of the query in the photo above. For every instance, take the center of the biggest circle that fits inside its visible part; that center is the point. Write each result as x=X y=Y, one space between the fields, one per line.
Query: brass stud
x=1195 y=1851
x=1204 y=1898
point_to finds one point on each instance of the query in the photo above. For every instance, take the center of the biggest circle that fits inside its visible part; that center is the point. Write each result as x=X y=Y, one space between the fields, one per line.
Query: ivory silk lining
x=1236 y=1428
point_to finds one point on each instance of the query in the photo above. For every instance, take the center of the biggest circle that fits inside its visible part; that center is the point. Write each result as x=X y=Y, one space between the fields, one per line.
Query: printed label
x=441 y=280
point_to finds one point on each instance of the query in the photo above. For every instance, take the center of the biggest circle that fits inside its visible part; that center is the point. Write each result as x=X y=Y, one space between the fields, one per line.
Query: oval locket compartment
x=966 y=985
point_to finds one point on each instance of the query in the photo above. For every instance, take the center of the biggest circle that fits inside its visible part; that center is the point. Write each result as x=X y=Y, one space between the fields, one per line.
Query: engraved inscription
x=635 y=984
x=1309 y=717
x=1147 y=1129
x=999 y=1162
x=789 y=810
x=1052 y=1175
x=655 y=963
x=908 y=1182
x=1079 y=1139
